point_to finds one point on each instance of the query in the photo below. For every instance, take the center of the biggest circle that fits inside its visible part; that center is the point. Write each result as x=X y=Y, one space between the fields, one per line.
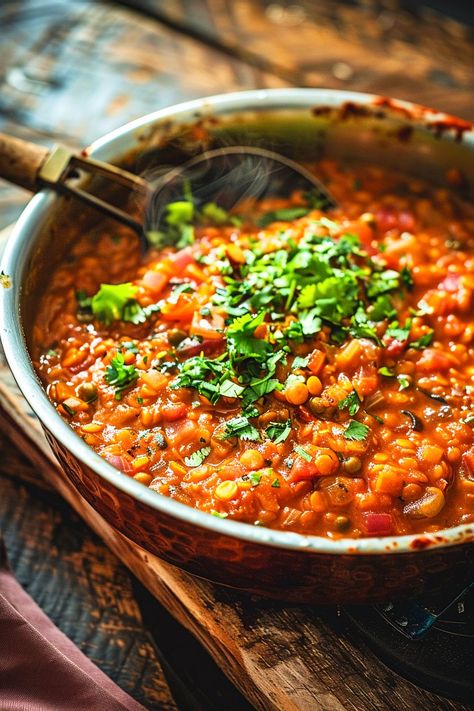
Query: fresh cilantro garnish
x=177 y=228
x=131 y=347
x=219 y=514
x=119 y=375
x=383 y=282
x=197 y=458
x=285 y=214
x=407 y=278
x=210 y=212
x=388 y=372
x=113 y=302
x=404 y=382
x=278 y=431
x=255 y=478
x=356 y=431
x=423 y=342
x=352 y=402
x=276 y=484
x=399 y=333
x=69 y=410
x=230 y=389
x=300 y=362
x=183 y=288
x=242 y=428
x=382 y=309
x=83 y=302
x=302 y=452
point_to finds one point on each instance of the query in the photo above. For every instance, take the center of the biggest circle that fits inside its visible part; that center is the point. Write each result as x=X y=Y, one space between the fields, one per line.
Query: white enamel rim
x=115 y=144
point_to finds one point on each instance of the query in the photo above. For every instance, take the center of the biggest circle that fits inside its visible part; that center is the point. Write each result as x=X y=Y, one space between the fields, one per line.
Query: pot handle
x=21 y=161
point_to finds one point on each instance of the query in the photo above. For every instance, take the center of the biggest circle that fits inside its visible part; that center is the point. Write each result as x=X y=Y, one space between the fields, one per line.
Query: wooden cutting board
x=281 y=657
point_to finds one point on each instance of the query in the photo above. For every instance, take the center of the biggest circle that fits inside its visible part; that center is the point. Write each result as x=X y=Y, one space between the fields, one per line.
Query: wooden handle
x=20 y=161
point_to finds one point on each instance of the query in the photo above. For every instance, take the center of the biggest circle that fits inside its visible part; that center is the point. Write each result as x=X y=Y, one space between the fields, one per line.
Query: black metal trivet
x=428 y=641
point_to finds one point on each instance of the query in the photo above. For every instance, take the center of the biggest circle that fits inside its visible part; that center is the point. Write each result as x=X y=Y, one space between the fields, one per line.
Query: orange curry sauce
x=314 y=374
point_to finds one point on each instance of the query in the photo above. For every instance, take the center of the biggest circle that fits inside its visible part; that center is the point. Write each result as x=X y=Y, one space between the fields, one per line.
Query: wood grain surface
x=69 y=72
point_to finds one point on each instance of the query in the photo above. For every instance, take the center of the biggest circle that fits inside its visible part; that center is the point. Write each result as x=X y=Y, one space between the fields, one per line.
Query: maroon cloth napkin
x=40 y=668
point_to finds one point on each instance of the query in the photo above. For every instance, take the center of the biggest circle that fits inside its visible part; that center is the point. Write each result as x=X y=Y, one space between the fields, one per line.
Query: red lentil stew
x=303 y=369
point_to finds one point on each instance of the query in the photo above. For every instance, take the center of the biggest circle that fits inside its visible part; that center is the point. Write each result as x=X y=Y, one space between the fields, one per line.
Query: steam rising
x=225 y=176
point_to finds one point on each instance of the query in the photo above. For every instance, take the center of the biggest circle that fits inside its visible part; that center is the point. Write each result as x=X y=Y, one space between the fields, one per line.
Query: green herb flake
x=356 y=431
x=404 y=382
x=276 y=484
x=278 y=431
x=352 y=402
x=302 y=452
x=197 y=458
x=300 y=362
x=255 y=478
x=219 y=514
x=69 y=410
x=423 y=342
x=242 y=428
x=114 y=302
x=119 y=375
x=387 y=372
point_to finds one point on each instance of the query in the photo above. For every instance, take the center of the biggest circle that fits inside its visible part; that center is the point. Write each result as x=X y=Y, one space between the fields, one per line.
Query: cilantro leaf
x=352 y=402
x=278 y=431
x=230 y=389
x=242 y=428
x=177 y=230
x=285 y=214
x=119 y=375
x=356 y=431
x=387 y=372
x=303 y=453
x=423 y=342
x=407 y=278
x=403 y=381
x=399 y=333
x=196 y=458
x=116 y=302
x=382 y=282
x=255 y=478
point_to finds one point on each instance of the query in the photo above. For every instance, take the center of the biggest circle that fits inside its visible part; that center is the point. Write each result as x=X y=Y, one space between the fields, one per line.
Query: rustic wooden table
x=71 y=71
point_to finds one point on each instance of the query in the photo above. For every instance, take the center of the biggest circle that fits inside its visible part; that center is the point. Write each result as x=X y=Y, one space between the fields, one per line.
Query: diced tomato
x=386 y=219
x=155 y=281
x=181 y=259
x=366 y=381
x=302 y=469
x=210 y=328
x=378 y=524
x=304 y=414
x=394 y=346
x=468 y=461
x=120 y=463
x=316 y=361
x=365 y=234
x=194 y=346
x=181 y=310
x=174 y=411
x=433 y=361
x=450 y=283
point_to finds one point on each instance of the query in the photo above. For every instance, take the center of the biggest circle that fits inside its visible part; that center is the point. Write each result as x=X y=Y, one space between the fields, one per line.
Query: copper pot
x=303 y=123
